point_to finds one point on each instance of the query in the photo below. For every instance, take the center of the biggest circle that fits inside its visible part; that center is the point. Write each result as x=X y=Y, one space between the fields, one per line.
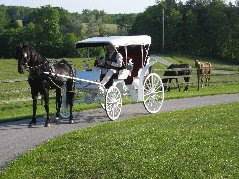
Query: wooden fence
x=229 y=71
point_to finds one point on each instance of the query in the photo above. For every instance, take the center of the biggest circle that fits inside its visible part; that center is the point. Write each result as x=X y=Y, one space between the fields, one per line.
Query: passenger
x=112 y=62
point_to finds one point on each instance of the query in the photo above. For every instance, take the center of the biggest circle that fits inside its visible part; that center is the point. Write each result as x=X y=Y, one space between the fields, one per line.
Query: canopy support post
x=126 y=55
x=142 y=54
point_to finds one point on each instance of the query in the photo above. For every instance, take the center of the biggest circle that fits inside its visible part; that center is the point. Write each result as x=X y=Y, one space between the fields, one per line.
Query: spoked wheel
x=65 y=108
x=153 y=93
x=113 y=103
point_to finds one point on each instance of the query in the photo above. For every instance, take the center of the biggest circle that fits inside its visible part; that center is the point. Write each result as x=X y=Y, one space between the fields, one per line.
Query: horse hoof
x=31 y=125
x=71 y=122
x=56 y=120
x=47 y=125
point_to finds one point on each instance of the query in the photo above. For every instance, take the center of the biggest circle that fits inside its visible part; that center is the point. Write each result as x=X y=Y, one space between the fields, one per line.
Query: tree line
x=201 y=27
x=53 y=31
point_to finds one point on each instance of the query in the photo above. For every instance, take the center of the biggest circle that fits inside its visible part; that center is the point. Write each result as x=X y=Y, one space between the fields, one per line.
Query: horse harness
x=37 y=72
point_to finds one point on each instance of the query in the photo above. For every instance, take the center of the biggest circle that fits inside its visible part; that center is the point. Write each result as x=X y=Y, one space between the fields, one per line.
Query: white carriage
x=134 y=80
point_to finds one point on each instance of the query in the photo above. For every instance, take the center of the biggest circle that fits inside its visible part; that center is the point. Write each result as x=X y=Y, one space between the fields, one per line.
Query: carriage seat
x=125 y=71
x=122 y=74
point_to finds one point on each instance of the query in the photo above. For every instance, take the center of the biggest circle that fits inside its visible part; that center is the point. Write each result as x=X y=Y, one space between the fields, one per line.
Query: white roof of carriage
x=115 y=40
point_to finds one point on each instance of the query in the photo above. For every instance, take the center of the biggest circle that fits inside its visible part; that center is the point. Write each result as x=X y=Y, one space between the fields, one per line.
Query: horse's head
x=22 y=55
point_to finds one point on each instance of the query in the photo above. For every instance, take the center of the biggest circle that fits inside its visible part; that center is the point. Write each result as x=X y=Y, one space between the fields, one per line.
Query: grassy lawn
x=23 y=109
x=175 y=58
x=194 y=143
x=13 y=104
x=8 y=68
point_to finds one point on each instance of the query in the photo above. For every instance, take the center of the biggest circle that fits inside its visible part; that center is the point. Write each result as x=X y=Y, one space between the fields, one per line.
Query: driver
x=112 y=62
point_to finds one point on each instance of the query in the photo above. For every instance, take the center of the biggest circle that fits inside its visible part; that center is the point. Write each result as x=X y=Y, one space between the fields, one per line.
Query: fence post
x=41 y=100
x=198 y=75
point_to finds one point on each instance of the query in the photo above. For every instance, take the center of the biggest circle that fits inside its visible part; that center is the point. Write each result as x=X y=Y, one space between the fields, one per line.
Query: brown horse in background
x=204 y=70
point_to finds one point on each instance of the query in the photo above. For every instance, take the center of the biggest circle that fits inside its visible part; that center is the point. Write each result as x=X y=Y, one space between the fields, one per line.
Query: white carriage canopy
x=134 y=48
x=116 y=41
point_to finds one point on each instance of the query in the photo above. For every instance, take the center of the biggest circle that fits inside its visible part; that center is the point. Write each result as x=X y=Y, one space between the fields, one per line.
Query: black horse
x=173 y=72
x=41 y=83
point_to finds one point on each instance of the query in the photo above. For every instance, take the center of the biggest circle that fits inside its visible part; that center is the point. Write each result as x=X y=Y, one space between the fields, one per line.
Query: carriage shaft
x=73 y=78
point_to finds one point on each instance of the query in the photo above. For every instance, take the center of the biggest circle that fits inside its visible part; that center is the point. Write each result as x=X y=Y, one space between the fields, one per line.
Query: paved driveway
x=16 y=138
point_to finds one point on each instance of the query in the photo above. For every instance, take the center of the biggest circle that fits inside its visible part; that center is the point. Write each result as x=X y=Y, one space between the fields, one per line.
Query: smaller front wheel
x=153 y=93
x=113 y=103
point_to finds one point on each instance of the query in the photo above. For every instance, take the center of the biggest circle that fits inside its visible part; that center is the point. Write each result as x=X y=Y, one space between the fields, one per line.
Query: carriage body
x=134 y=79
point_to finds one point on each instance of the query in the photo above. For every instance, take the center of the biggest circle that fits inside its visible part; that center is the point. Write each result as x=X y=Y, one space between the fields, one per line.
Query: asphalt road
x=16 y=138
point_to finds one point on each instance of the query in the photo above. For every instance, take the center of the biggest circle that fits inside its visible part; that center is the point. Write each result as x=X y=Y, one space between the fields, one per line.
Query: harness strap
x=54 y=83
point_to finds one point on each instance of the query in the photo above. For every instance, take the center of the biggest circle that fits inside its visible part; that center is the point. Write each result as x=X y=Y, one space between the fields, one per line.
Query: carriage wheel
x=113 y=103
x=153 y=93
x=65 y=108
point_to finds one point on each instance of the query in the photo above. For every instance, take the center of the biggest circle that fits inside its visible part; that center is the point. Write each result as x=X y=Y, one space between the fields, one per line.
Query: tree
x=69 y=49
x=93 y=28
x=150 y=23
x=48 y=37
x=172 y=21
x=215 y=27
x=3 y=19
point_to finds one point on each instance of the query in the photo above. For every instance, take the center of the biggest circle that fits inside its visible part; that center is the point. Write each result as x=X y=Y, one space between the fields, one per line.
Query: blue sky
x=109 y=6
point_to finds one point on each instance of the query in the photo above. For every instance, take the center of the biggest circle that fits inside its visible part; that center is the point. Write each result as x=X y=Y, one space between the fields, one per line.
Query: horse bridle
x=26 y=56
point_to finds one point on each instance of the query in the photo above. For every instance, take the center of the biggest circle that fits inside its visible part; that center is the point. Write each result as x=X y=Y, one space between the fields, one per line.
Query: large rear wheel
x=113 y=103
x=153 y=93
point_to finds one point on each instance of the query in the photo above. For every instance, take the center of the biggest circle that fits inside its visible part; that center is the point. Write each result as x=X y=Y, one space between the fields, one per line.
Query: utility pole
x=163 y=34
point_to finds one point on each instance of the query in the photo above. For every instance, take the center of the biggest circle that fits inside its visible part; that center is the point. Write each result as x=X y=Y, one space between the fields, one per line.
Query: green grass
x=23 y=110
x=10 y=110
x=8 y=69
x=20 y=110
x=222 y=72
x=214 y=89
x=109 y=29
x=175 y=58
x=194 y=143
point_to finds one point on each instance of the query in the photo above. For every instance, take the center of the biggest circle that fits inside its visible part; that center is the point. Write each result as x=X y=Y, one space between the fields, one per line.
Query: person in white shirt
x=112 y=62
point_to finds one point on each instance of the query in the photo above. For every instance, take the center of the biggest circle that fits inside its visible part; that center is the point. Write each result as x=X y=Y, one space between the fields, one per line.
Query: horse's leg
x=34 y=107
x=70 y=97
x=165 y=83
x=202 y=82
x=186 y=79
x=169 y=84
x=208 y=79
x=58 y=103
x=177 y=84
x=46 y=105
